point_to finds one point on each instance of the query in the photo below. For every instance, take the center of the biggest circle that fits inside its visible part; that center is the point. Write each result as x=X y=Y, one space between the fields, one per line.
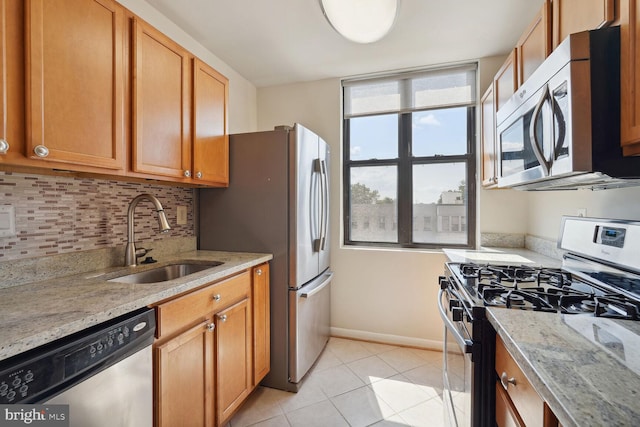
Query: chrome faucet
x=130 y=251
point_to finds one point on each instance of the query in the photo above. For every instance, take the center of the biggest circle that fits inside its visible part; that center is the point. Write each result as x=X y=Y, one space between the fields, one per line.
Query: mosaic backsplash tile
x=55 y=215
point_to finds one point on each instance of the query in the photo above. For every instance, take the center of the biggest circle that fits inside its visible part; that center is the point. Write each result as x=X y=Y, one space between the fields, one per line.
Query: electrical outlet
x=181 y=215
x=582 y=212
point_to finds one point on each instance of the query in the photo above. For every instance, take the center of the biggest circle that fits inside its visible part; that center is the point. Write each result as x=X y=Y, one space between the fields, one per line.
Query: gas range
x=538 y=288
x=598 y=283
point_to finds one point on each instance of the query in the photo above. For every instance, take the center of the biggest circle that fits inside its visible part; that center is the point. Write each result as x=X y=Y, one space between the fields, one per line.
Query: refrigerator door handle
x=324 y=216
x=317 y=288
x=318 y=243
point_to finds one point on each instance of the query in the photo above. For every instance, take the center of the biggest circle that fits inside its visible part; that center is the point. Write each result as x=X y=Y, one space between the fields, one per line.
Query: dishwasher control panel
x=45 y=371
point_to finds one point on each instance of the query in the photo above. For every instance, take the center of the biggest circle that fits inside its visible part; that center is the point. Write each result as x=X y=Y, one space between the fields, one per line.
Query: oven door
x=458 y=372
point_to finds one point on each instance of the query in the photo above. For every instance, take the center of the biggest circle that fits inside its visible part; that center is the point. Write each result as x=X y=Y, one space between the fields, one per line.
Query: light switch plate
x=7 y=221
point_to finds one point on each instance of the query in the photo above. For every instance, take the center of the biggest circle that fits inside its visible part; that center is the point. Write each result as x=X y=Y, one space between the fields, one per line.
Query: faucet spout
x=130 y=251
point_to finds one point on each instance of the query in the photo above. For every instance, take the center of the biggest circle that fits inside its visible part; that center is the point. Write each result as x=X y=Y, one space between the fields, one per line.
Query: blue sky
x=435 y=132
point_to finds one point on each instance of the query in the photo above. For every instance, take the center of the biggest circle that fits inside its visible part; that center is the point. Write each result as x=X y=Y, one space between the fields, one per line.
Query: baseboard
x=386 y=339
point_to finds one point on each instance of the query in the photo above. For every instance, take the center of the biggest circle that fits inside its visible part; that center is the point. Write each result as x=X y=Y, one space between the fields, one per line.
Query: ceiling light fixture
x=361 y=21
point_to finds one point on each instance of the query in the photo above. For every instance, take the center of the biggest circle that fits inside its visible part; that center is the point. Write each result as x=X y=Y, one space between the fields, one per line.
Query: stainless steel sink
x=167 y=272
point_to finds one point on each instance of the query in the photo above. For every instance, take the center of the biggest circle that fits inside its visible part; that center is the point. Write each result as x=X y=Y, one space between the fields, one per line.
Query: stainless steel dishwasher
x=103 y=373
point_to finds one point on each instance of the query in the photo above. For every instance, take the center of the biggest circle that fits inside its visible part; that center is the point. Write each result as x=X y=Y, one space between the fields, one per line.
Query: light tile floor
x=355 y=384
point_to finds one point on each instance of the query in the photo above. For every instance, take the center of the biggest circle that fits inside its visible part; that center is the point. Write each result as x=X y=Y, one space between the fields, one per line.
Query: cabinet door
x=160 y=104
x=75 y=82
x=535 y=44
x=573 y=16
x=489 y=166
x=210 y=135
x=506 y=414
x=183 y=378
x=630 y=77
x=505 y=82
x=11 y=81
x=261 y=323
x=233 y=359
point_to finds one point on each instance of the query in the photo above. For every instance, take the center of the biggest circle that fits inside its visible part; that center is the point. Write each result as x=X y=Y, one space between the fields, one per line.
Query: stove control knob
x=444 y=283
x=457 y=314
x=453 y=303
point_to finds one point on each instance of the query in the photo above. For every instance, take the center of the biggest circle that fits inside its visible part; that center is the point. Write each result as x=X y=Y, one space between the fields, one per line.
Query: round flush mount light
x=361 y=21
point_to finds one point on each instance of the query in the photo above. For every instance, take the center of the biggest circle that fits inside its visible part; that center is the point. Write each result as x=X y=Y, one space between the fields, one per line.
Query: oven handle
x=465 y=344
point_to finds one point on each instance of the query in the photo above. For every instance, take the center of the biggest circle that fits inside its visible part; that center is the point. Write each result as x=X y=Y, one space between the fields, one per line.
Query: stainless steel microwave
x=561 y=129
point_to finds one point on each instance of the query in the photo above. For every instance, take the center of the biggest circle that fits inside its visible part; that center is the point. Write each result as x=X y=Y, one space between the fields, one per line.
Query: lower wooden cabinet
x=517 y=402
x=261 y=323
x=210 y=344
x=233 y=359
x=183 y=378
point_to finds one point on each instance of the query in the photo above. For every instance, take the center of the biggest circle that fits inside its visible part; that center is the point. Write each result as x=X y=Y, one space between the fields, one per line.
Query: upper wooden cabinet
x=160 y=113
x=179 y=113
x=630 y=77
x=488 y=120
x=535 y=44
x=505 y=83
x=573 y=16
x=11 y=81
x=75 y=82
x=210 y=136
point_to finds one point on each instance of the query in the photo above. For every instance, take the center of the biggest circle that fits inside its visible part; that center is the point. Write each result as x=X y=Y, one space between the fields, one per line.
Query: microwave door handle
x=562 y=128
x=537 y=148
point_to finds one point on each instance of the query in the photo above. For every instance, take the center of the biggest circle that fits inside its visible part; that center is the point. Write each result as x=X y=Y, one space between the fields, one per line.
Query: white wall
x=546 y=208
x=242 y=93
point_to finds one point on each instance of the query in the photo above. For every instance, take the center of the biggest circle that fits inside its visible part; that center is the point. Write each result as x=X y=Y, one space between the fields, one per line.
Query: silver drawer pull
x=259 y=272
x=187 y=173
x=505 y=380
x=4 y=146
x=223 y=318
x=199 y=175
x=211 y=327
x=217 y=297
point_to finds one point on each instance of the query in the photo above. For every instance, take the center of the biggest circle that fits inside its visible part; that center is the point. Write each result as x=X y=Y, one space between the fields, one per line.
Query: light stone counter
x=505 y=256
x=586 y=368
x=37 y=313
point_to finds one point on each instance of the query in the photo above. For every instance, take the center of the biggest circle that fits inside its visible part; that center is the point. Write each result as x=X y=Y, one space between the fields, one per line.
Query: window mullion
x=405 y=186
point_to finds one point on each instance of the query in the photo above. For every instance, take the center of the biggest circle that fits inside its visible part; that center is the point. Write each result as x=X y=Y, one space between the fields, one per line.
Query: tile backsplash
x=56 y=215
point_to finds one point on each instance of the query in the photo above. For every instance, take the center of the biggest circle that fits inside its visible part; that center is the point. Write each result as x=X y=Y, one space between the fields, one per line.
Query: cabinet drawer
x=187 y=309
x=526 y=400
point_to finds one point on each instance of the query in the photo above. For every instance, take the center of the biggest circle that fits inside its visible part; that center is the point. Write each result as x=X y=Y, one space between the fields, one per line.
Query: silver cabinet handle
x=223 y=317
x=41 y=151
x=505 y=380
x=4 y=146
x=187 y=173
x=259 y=272
x=211 y=327
x=216 y=297
x=199 y=175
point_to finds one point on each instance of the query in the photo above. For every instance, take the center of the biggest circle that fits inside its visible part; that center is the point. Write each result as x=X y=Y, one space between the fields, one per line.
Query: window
x=409 y=158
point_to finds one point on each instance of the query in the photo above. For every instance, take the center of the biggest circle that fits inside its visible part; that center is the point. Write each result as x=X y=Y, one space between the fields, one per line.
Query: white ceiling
x=273 y=42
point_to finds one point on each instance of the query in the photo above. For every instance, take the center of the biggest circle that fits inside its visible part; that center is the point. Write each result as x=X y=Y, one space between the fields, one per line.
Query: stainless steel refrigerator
x=278 y=202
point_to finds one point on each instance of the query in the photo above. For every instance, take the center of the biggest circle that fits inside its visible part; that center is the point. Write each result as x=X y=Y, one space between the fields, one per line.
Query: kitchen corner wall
x=56 y=215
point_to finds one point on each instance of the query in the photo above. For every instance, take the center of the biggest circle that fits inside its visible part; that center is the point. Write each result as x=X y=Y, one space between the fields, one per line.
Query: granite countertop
x=508 y=256
x=586 y=368
x=37 y=313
